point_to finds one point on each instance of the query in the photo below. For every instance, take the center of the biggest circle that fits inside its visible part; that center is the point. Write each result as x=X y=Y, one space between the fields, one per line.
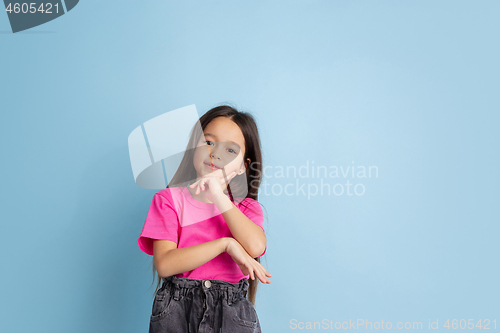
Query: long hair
x=240 y=187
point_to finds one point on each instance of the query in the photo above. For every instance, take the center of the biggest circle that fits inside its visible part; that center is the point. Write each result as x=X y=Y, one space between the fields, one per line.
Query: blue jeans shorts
x=185 y=305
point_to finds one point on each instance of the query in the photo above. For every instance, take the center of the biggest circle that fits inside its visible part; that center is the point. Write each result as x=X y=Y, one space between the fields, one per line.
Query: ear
x=242 y=170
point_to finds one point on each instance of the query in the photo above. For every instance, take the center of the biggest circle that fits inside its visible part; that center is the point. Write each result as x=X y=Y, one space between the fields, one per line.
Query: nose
x=211 y=152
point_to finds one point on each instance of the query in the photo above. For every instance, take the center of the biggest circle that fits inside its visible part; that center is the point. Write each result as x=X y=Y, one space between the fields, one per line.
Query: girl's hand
x=247 y=264
x=214 y=182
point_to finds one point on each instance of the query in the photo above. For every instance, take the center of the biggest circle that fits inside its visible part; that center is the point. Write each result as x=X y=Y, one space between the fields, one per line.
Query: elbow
x=162 y=272
x=258 y=246
x=162 y=268
x=257 y=250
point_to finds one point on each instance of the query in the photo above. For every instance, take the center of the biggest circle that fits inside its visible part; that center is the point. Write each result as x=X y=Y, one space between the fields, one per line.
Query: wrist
x=222 y=202
x=226 y=241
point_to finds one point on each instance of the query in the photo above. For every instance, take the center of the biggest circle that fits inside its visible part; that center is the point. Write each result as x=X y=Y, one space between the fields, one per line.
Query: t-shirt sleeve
x=161 y=223
x=254 y=213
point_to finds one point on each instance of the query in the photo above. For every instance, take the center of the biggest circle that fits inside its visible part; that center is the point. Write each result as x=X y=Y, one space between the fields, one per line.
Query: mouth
x=213 y=167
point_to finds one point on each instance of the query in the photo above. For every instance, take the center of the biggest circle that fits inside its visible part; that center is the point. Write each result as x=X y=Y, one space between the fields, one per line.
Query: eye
x=208 y=142
x=232 y=150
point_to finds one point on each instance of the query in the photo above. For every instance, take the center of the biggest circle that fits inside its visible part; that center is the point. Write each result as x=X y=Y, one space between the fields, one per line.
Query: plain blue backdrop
x=410 y=87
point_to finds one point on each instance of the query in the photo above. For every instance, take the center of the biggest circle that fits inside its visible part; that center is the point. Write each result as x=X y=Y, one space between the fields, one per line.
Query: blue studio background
x=410 y=87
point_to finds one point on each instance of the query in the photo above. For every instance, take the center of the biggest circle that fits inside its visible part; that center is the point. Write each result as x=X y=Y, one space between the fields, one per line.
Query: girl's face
x=224 y=141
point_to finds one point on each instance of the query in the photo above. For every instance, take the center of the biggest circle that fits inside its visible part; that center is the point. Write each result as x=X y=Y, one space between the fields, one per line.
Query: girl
x=205 y=231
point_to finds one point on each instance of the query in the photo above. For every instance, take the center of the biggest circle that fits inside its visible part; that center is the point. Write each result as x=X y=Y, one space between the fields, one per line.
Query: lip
x=210 y=166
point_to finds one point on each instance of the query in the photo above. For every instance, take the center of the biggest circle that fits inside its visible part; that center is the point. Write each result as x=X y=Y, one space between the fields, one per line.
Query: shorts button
x=208 y=284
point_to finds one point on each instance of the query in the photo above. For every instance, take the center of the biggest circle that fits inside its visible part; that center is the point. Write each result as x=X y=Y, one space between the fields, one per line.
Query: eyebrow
x=208 y=134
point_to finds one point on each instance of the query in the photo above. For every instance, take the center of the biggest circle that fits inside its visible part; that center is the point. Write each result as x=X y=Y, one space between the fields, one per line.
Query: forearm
x=188 y=258
x=247 y=233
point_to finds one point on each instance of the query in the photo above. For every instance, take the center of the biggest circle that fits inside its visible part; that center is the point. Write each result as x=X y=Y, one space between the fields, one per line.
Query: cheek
x=197 y=157
x=235 y=164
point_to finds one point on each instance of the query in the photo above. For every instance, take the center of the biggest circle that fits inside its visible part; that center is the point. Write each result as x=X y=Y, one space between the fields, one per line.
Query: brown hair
x=243 y=188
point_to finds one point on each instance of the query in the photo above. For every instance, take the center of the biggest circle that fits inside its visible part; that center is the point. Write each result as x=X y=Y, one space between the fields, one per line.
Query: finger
x=224 y=180
x=268 y=280
x=250 y=269
x=267 y=273
x=262 y=277
x=264 y=273
x=224 y=174
x=228 y=178
x=258 y=271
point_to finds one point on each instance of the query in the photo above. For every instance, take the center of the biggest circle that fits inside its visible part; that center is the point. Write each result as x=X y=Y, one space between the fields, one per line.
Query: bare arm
x=169 y=260
x=247 y=233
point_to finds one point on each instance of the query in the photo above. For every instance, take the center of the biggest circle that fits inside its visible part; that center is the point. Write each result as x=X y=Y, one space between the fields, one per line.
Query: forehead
x=225 y=130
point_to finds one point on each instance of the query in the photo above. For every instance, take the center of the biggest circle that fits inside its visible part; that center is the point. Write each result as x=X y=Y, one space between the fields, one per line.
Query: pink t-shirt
x=176 y=216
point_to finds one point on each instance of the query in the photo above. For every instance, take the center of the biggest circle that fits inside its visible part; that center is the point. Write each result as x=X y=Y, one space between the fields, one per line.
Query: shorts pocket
x=245 y=314
x=162 y=304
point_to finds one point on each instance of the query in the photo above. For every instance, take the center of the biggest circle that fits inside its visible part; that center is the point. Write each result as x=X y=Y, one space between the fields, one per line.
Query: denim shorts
x=185 y=305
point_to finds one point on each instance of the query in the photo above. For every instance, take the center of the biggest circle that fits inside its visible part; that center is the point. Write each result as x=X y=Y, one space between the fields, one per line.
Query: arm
x=247 y=233
x=169 y=260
